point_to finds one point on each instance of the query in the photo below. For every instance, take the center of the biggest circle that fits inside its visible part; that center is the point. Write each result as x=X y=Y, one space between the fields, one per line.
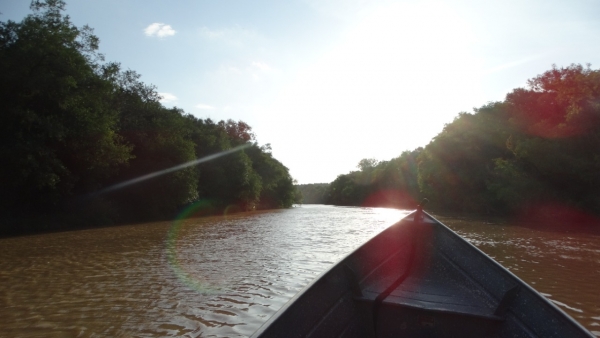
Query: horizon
x=328 y=83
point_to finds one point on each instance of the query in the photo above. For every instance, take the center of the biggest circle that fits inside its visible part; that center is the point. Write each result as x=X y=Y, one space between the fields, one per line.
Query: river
x=224 y=276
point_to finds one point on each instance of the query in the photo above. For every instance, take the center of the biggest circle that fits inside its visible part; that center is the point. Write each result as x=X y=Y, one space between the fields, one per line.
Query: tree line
x=536 y=150
x=73 y=125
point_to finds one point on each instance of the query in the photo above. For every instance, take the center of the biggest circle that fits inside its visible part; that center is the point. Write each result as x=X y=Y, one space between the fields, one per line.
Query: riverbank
x=60 y=222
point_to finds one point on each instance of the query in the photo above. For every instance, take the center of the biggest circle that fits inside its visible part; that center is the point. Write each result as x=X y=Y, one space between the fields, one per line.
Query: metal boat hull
x=419 y=279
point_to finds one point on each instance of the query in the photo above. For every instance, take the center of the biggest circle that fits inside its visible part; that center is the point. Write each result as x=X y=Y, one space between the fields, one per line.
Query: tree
x=555 y=127
x=278 y=190
x=366 y=164
x=58 y=132
x=315 y=193
x=239 y=132
x=71 y=126
x=455 y=166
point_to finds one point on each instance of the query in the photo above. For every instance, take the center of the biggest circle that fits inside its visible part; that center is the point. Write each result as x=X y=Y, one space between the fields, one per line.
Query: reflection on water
x=218 y=276
x=224 y=276
x=564 y=267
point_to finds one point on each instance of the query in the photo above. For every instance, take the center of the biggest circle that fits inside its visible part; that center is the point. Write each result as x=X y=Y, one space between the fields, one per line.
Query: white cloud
x=204 y=106
x=160 y=30
x=167 y=97
x=262 y=66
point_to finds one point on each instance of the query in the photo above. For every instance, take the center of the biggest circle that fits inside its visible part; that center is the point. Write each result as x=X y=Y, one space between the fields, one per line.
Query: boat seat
x=433 y=295
x=440 y=288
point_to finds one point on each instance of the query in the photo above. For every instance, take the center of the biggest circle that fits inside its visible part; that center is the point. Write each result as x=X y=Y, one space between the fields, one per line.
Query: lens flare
x=172 y=169
x=191 y=279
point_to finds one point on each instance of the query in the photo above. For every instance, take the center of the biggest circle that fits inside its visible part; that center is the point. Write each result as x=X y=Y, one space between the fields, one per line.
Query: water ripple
x=564 y=268
x=120 y=281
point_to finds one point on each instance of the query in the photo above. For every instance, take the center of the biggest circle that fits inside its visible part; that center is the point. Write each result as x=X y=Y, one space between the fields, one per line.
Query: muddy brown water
x=564 y=266
x=225 y=276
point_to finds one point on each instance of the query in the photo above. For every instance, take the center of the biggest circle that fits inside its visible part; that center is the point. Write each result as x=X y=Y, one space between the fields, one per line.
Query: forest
x=73 y=125
x=534 y=153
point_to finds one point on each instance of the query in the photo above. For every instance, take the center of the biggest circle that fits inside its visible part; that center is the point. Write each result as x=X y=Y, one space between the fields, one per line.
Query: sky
x=330 y=82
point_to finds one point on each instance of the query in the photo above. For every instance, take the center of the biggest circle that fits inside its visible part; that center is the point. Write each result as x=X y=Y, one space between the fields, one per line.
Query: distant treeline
x=539 y=149
x=314 y=193
x=72 y=125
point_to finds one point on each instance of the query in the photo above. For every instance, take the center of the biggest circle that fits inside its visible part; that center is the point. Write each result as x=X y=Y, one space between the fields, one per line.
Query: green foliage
x=386 y=183
x=72 y=125
x=315 y=193
x=230 y=182
x=367 y=164
x=278 y=189
x=248 y=180
x=538 y=147
x=455 y=165
x=58 y=133
x=556 y=126
x=238 y=132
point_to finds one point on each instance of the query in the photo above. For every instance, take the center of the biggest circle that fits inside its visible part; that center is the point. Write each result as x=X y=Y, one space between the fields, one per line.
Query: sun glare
x=403 y=71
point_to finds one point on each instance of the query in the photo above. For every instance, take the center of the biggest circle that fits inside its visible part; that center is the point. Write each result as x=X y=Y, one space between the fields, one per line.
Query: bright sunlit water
x=225 y=276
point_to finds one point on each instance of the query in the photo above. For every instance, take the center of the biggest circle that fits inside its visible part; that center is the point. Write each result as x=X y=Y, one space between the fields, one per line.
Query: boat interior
x=419 y=279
